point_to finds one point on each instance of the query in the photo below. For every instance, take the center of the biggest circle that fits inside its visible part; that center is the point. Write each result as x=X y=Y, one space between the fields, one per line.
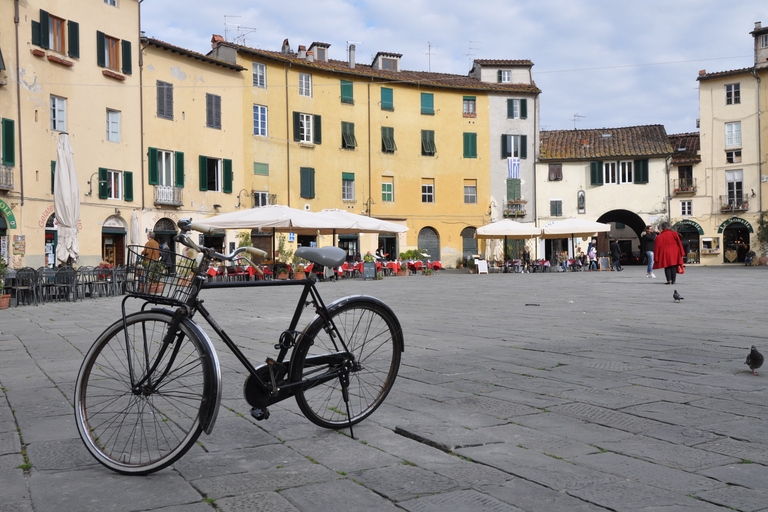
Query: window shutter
x=217 y=111
x=227 y=176
x=53 y=176
x=427 y=103
x=296 y=126
x=101 y=58
x=387 y=101
x=160 y=99
x=595 y=173
x=153 y=174
x=128 y=185
x=74 y=39
x=44 y=29
x=36 y=33
x=307 y=182
x=641 y=171
x=318 y=130
x=347 y=92
x=466 y=145
x=9 y=142
x=348 y=176
x=498 y=75
x=524 y=109
x=103 y=185
x=504 y=146
x=127 y=64
x=523 y=146
x=179 y=169
x=203 y=163
x=510 y=109
x=513 y=190
x=209 y=110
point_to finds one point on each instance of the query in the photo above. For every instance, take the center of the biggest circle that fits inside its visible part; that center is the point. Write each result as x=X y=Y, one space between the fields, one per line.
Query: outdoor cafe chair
x=26 y=286
x=65 y=284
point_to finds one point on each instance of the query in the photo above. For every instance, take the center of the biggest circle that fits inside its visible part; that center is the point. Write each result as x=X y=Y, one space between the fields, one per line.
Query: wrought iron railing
x=685 y=186
x=732 y=203
x=170 y=196
x=6 y=177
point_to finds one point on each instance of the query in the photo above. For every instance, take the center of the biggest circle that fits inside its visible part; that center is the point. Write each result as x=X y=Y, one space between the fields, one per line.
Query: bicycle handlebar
x=186 y=224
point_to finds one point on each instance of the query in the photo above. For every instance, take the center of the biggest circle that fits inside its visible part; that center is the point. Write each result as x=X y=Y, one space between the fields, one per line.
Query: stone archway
x=429 y=240
x=468 y=242
x=630 y=220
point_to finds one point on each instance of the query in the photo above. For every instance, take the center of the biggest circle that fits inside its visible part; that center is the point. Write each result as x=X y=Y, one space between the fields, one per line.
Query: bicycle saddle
x=325 y=256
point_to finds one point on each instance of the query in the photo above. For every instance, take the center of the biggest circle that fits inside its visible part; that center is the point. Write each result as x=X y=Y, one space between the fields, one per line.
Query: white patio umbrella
x=66 y=201
x=363 y=223
x=571 y=228
x=135 y=228
x=507 y=229
x=278 y=218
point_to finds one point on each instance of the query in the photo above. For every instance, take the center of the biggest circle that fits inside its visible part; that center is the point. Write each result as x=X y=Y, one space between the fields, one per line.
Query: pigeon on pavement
x=677 y=296
x=754 y=360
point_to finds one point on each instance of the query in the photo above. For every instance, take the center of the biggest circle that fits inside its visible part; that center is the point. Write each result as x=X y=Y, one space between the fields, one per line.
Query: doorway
x=735 y=243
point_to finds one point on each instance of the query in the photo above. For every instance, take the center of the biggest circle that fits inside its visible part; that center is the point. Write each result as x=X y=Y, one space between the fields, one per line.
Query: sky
x=598 y=63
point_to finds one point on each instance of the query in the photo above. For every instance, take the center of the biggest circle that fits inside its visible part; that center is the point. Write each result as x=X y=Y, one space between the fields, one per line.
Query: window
x=113 y=125
x=428 y=103
x=58 y=114
x=387 y=101
x=732 y=94
x=686 y=208
x=260 y=169
x=110 y=52
x=733 y=157
x=348 y=140
x=609 y=172
x=113 y=3
x=685 y=176
x=215 y=174
x=517 y=109
x=165 y=168
x=733 y=134
x=56 y=34
x=428 y=143
x=388 y=140
x=514 y=193
x=9 y=142
x=470 y=191
x=306 y=128
x=556 y=207
x=427 y=190
x=470 y=104
x=514 y=146
x=625 y=172
x=259 y=75
x=164 y=100
x=213 y=111
x=347 y=186
x=470 y=145
x=504 y=76
x=387 y=189
x=555 y=172
x=388 y=64
x=307 y=189
x=260 y=120
x=347 y=92
x=305 y=85
x=114 y=184
x=764 y=41
x=321 y=53
x=735 y=187
x=260 y=198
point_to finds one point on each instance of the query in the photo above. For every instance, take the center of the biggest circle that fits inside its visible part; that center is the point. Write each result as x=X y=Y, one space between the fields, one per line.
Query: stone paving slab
x=668 y=454
x=739 y=498
x=339 y=496
x=458 y=501
x=754 y=476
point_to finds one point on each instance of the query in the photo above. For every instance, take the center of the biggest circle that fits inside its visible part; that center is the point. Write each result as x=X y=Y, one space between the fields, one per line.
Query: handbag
x=681 y=269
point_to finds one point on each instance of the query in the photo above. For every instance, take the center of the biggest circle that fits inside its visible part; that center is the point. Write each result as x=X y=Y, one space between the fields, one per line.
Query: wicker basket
x=151 y=279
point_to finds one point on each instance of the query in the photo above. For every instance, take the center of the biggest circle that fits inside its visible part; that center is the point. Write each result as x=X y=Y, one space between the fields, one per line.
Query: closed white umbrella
x=135 y=230
x=66 y=201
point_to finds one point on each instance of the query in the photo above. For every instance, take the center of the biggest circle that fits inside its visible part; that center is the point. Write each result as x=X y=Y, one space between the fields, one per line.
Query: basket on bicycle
x=163 y=280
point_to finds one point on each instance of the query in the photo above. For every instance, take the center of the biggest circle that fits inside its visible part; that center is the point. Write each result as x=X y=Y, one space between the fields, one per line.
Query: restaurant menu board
x=4 y=249
x=19 y=244
x=369 y=270
x=482 y=266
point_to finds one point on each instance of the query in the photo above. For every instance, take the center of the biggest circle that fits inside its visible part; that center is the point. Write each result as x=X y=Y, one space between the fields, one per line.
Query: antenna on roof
x=429 y=55
x=226 y=31
x=469 y=53
x=241 y=31
x=577 y=117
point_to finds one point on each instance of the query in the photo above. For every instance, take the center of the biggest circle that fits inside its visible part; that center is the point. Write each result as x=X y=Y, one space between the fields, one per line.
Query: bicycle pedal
x=259 y=413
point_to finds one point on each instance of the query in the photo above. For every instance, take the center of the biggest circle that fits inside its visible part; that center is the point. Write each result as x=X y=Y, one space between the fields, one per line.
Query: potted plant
x=471 y=265
x=282 y=271
x=155 y=273
x=5 y=299
x=184 y=267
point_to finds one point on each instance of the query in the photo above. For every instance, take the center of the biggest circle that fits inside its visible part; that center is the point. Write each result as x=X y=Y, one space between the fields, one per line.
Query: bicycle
x=151 y=382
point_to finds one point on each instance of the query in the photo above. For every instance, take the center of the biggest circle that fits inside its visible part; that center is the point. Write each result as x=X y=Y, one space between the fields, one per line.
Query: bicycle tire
x=140 y=432
x=373 y=335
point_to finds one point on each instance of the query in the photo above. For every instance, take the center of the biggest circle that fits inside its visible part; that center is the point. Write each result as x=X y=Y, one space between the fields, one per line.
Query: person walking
x=615 y=256
x=648 y=239
x=152 y=248
x=592 y=254
x=668 y=250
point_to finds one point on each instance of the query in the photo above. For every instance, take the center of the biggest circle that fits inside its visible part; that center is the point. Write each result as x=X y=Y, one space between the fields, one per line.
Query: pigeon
x=754 y=360
x=677 y=296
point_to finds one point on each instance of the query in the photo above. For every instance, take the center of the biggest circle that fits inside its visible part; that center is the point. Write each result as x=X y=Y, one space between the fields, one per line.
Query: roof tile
x=632 y=141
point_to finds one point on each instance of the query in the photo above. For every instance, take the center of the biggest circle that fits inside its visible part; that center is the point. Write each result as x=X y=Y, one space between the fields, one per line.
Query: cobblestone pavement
x=536 y=392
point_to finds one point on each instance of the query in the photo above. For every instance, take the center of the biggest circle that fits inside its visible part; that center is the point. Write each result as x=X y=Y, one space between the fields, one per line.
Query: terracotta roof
x=632 y=141
x=403 y=76
x=685 y=147
x=193 y=55
x=703 y=75
x=498 y=62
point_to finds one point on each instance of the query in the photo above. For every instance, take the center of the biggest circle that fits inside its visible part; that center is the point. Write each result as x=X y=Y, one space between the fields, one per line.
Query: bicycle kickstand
x=344 y=381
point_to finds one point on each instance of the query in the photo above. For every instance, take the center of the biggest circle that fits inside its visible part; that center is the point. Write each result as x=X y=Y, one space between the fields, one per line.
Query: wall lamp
x=90 y=185
x=216 y=207
x=239 y=201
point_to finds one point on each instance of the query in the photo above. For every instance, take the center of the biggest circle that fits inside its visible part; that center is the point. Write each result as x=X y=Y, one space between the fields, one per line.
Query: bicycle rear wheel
x=374 y=339
x=138 y=400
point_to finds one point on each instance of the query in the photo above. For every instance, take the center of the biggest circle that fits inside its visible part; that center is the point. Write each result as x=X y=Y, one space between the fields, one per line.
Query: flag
x=513 y=166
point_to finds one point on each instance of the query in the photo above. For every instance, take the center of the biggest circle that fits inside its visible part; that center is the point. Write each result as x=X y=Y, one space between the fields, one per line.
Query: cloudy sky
x=604 y=63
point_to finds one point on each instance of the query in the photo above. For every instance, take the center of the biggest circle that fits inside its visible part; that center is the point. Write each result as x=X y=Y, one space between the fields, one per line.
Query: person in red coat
x=668 y=252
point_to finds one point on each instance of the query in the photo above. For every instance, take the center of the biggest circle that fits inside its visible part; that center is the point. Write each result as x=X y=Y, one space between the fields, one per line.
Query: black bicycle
x=151 y=383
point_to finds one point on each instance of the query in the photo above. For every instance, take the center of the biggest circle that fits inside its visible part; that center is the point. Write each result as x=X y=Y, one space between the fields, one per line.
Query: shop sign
x=688 y=224
x=735 y=220
x=8 y=214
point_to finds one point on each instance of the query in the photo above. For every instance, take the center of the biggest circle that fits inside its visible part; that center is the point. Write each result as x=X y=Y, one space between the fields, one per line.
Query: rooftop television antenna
x=577 y=117
x=429 y=55
x=470 y=49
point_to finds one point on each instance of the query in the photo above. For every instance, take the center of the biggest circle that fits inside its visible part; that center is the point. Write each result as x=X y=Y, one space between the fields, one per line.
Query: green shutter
x=641 y=171
x=9 y=142
x=227 y=176
x=470 y=145
x=178 y=170
x=318 y=129
x=36 y=33
x=53 y=176
x=348 y=176
x=203 y=164
x=296 y=126
x=260 y=169
x=595 y=173
x=513 y=190
x=466 y=145
x=523 y=146
x=127 y=63
x=127 y=186
x=153 y=173
x=498 y=76
x=387 y=101
x=101 y=57
x=103 y=185
x=505 y=146
x=524 y=109
x=427 y=103
x=44 y=29
x=428 y=143
x=307 y=182
x=388 y=139
x=347 y=92
x=74 y=39
x=510 y=109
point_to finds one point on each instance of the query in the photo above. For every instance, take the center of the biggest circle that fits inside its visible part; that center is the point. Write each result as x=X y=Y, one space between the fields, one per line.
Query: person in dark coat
x=668 y=251
x=648 y=239
x=615 y=256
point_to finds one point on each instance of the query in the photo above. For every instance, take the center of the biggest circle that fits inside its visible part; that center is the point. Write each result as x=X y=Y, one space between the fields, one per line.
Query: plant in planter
x=5 y=299
x=184 y=267
x=471 y=265
x=282 y=272
x=762 y=237
x=154 y=275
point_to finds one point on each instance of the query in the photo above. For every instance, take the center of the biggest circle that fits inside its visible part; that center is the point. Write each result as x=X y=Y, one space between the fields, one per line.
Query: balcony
x=6 y=178
x=169 y=196
x=684 y=187
x=515 y=208
x=731 y=203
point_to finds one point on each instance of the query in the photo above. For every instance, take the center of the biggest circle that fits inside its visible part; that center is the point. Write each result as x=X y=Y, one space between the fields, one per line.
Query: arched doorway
x=468 y=242
x=690 y=235
x=429 y=240
x=51 y=240
x=735 y=243
x=626 y=227
x=113 y=240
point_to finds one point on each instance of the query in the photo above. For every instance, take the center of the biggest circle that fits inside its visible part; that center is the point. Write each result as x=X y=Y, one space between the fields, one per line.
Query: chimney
x=302 y=51
x=351 y=56
x=216 y=40
x=286 y=47
x=758 y=25
x=702 y=72
x=310 y=56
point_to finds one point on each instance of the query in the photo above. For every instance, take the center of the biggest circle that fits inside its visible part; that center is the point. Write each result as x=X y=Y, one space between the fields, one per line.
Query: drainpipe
x=759 y=140
x=288 y=140
x=141 y=109
x=370 y=197
x=18 y=104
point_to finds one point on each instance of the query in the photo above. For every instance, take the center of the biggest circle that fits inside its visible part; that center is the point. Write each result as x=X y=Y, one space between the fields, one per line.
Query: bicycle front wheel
x=374 y=340
x=138 y=399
